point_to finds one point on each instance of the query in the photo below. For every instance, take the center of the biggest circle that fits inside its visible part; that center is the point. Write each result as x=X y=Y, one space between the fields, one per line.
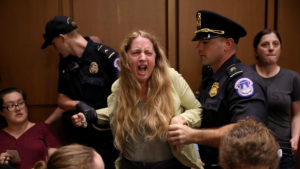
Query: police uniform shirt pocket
x=210 y=115
x=212 y=104
x=91 y=80
x=91 y=74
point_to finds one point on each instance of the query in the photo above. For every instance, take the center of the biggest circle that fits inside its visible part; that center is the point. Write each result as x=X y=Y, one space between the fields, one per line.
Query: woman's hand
x=5 y=158
x=79 y=120
x=294 y=145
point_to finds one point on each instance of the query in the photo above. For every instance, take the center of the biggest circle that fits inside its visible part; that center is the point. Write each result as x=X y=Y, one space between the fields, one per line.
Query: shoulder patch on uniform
x=244 y=87
x=117 y=64
x=232 y=71
x=109 y=52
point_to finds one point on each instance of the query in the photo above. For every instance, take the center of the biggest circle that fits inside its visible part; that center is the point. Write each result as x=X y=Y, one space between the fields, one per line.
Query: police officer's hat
x=211 y=25
x=57 y=25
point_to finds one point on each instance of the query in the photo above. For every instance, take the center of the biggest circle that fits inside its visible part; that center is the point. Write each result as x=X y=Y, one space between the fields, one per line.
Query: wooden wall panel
x=66 y=7
x=172 y=31
x=288 y=26
x=23 y=64
x=241 y=11
x=270 y=23
x=113 y=20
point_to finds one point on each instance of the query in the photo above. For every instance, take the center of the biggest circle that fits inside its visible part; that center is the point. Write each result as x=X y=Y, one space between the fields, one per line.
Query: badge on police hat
x=244 y=87
x=198 y=17
x=94 y=68
x=214 y=89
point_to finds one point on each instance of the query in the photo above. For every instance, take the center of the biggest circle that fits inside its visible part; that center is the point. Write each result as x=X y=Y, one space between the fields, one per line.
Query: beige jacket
x=185 y=104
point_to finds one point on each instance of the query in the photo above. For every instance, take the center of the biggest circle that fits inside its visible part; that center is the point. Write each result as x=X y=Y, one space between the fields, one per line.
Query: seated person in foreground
x=32 y=141
x=74 y=156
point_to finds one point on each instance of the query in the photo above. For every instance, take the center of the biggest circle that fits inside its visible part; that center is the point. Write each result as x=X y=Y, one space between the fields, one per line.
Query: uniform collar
x=87 y=51
x=222 y=70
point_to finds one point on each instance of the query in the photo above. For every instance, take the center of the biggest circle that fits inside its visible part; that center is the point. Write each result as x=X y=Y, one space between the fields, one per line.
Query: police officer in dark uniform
x=230 y=90
x=86 y=73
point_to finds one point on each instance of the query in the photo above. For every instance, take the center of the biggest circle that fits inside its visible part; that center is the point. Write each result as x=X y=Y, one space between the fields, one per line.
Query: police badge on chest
x=94 y=68
x=214 y=89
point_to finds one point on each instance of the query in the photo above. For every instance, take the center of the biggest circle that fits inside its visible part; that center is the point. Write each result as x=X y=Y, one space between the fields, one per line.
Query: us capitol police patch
x=244 y=87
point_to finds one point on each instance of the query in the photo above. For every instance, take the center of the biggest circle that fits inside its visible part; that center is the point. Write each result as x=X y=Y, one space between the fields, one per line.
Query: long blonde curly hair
x=129 y=121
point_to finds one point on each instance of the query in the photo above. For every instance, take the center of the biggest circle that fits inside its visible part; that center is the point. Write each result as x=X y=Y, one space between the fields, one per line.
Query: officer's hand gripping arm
x=88 y=111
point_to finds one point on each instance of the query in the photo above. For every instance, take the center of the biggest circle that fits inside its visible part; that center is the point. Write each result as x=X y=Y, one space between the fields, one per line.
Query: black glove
x=88 y=111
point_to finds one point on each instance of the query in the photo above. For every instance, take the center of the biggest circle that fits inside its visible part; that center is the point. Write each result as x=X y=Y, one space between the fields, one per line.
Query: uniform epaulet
x=232 y=71
x=109 y=52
